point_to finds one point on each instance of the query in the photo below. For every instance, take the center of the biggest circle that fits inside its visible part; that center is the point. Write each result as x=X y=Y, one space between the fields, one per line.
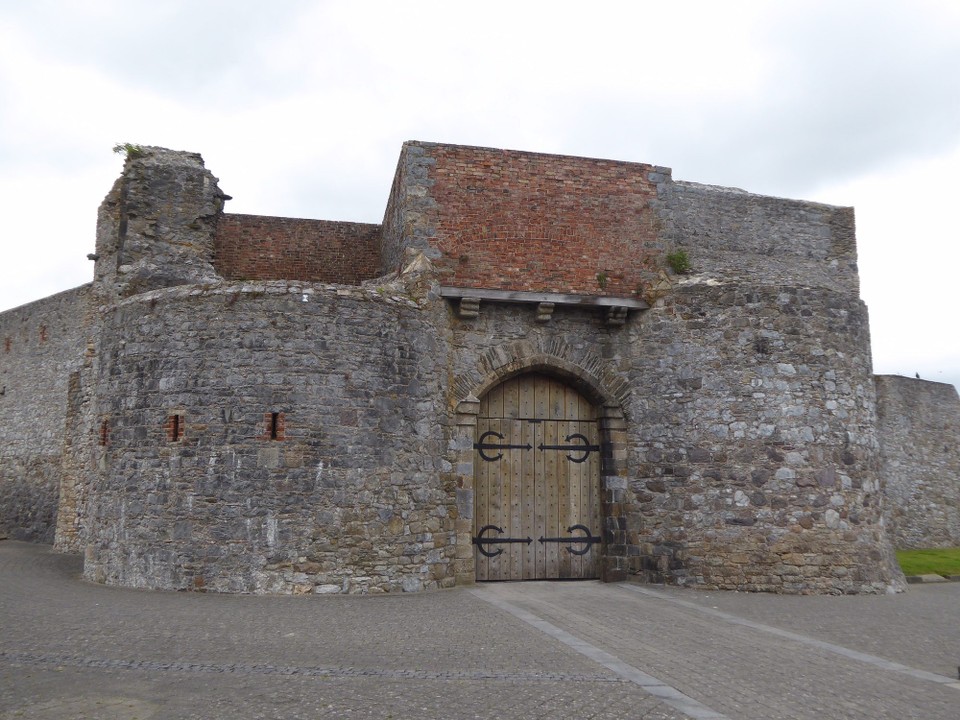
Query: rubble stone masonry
x=919 y=423
x=43 y=346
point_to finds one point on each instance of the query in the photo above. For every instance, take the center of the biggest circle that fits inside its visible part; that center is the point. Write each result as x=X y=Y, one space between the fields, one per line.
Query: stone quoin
x=506 y=379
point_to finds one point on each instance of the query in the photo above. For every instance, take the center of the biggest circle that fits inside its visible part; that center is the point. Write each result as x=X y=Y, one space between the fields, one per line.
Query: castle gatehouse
x=536 y=367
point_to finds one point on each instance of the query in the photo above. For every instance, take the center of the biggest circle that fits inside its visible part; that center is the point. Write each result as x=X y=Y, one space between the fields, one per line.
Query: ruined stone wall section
x=733 y=235
x=919 y=427
x=41 y=345
x=255 y=247
x=263 y=442
x=156 y=226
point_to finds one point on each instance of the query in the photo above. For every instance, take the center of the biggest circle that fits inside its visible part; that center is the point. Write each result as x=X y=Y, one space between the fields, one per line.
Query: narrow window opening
x=175 y=428
x=104 y=432
x=273 y=426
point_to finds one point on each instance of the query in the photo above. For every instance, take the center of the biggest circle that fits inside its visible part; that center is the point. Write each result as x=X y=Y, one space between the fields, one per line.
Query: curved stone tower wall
x=757 y=455
x=756 y=459
x=341 y=490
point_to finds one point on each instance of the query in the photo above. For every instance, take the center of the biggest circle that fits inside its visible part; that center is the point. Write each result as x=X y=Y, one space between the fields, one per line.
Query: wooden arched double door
x=537 y=509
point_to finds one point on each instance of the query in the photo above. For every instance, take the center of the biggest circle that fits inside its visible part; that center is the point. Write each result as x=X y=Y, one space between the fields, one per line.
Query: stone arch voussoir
x=581 y=368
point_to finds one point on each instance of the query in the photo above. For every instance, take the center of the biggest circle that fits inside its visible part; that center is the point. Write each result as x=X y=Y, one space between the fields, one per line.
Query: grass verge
x=942 y=561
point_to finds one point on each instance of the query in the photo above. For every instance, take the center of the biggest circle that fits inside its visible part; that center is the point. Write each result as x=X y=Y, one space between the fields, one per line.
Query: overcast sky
x=300 y=109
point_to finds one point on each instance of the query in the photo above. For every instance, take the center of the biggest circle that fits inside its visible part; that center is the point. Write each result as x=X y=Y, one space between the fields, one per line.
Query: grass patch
x=945 y=561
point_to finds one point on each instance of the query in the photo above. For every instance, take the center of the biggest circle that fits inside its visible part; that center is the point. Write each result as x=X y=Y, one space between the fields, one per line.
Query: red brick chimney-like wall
x=256 y=247
x=523 y=221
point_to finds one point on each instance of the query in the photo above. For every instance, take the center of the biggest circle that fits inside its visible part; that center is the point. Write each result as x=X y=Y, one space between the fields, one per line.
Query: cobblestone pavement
x=70 y=649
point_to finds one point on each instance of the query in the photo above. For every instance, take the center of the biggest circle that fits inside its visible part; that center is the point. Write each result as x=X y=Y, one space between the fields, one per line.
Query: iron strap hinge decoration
x=483 y=444
x=480 y=540
x=586 y=448
x=586 y=539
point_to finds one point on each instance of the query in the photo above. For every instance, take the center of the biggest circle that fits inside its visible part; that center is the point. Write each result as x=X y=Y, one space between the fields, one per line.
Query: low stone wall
x=919 y=424
x=40 y=345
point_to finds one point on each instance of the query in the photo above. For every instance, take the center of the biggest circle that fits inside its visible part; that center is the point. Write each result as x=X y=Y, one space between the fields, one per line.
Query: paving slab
x=73 y=649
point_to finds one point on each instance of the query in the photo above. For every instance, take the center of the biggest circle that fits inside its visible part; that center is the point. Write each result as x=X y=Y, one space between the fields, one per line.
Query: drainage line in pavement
x=659 y=689
x=332 y=672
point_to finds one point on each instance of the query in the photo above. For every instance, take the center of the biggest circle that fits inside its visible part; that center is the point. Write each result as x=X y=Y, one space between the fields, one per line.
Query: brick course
x=255 y=247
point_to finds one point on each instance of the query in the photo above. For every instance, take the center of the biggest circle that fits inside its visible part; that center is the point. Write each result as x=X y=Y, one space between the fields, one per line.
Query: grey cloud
x=187 y=49
x=844 y=93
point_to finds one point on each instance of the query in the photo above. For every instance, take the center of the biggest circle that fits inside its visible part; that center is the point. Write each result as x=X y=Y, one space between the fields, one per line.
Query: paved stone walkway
x=70 y=649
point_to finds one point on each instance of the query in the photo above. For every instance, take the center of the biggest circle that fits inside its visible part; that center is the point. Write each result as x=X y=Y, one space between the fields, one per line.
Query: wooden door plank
x=512 y=471
x=527 y=520
x=481 y=477
x=541 y=402
x=506 y=474
x=566 y=477
x=595 y=502
x=552 y=498
x=572 y=412
x=511 y=401
x=495 y=501
x=583 y=480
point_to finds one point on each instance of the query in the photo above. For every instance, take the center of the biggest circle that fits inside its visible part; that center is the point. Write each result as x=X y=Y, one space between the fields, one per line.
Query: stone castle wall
x=756 y=457
x=43 y=347
x=751 y=457
x=730 y=233
x=281 y=434
x=919 y=428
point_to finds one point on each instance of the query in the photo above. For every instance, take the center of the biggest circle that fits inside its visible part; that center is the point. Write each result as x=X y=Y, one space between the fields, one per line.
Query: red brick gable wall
x=256 y=247
x=543 y=223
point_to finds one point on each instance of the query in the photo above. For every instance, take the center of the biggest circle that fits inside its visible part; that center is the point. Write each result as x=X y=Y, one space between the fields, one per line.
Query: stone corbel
x=469 y=307
x=544 y=311
x=616 y=315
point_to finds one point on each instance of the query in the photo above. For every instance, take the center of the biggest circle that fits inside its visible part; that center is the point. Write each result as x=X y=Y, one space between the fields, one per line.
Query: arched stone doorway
x=537 y=462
